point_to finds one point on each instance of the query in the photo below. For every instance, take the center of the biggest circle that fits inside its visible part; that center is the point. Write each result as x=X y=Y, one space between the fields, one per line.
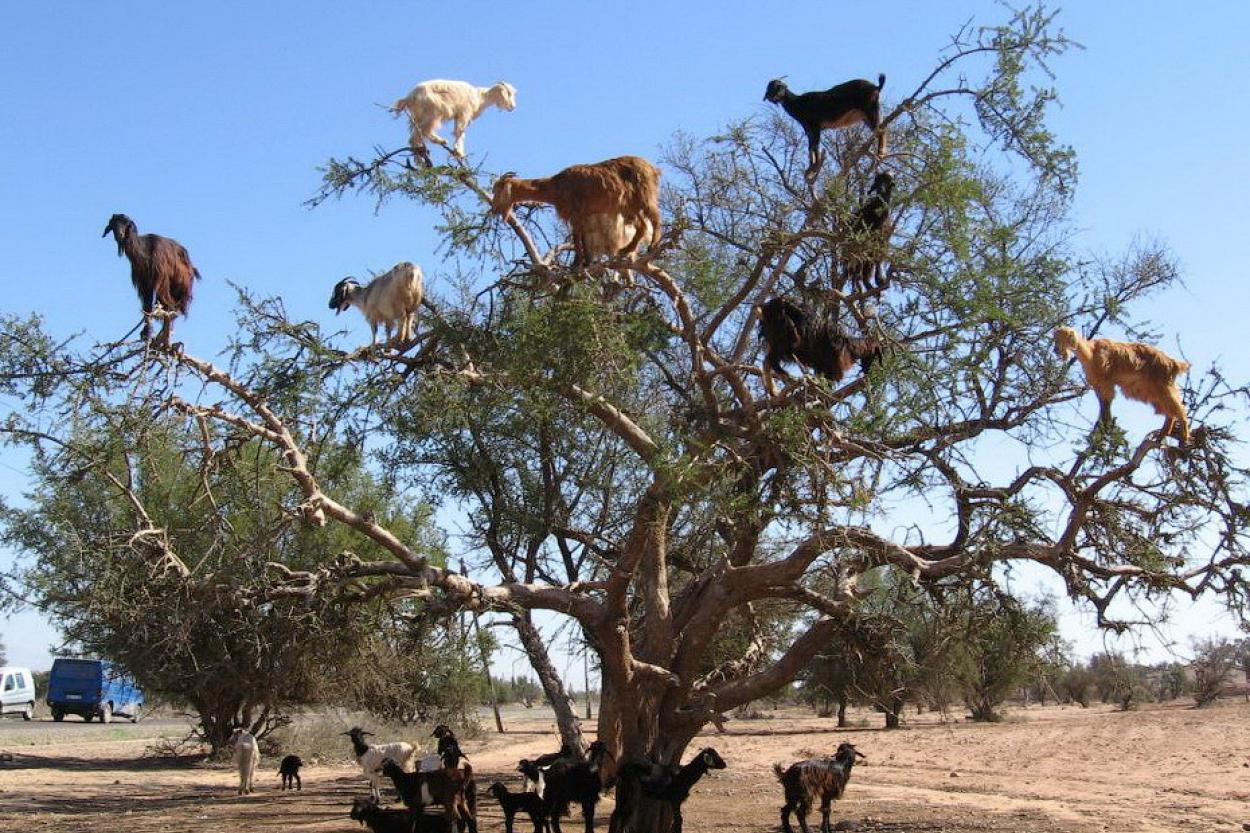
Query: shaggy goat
x=871 y=226
x=160 y=270
x=794 y=334
x=569 y=781
x=806 y=782
x=379 y=820
x=289 y=770
x=512 y=803
x=391 y=299
x=371 y=755
x=446 y=787
x=841 y=106
x=1141 y=371
x=671 y=785
x=627 y=187
x=246 y=758
x=432 y=102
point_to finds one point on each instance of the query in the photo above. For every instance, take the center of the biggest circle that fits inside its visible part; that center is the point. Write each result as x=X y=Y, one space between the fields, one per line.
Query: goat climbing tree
x=609 y=445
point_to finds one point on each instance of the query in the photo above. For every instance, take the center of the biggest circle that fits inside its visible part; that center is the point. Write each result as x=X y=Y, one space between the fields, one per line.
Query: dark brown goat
x=844 y=105
x=794 y=334
x=160 y=270
x=806 y=782
x=669 y=784
x=627 y=187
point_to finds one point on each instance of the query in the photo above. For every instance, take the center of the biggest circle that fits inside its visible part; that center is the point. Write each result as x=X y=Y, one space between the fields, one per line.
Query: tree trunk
x=842 y=711
x=893 y=713
x=563 y=706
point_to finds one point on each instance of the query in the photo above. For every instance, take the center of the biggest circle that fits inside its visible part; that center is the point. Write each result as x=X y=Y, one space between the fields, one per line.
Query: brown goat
x=627 y=187
x=807 y=782
x=1143 y=372
x=160 y=270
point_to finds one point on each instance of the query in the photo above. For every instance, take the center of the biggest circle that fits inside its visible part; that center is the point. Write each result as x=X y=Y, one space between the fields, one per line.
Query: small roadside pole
x=481 y=652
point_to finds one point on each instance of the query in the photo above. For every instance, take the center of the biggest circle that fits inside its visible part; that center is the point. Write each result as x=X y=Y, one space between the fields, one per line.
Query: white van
x=17 y=691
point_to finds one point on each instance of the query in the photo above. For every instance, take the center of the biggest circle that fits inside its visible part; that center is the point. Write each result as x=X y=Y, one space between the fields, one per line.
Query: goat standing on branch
x=160 y=270
x=1142 y=371
x=432 y=102
x=793 y=334
x=391 y=300
x=845 y=105
x=627 y=187
x=871 y=227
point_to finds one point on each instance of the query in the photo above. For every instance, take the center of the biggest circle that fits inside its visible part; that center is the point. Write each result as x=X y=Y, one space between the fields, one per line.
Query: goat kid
x=512 y=803
x=430 y=103
x=1143 y=372
x=381 y=820
x=391 y=300
x=807 y=782
x=844 y=105
x=289 y=770
x=793 y=334
x=626 y=188
x=160 y=270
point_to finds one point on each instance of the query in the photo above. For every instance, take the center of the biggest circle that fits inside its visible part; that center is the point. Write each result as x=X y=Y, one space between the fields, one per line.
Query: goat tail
x=880 y=81
x=399 y=107
x=778 y=771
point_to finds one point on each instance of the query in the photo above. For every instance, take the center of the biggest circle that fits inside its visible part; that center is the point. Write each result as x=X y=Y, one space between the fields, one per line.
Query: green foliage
x=1001 y=649
x=1215 y=659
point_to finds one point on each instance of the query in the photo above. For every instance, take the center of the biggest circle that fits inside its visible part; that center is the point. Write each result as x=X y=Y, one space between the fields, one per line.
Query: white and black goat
x=160 y=270
x=246 y=758
x=371 y=755
x=391 y=300
x=512 y=803
x=669 y=784
x=533 y=771
x=871 y=228
x=432 y=102
x=844 y=105
x=820 y=780
x=793 y=334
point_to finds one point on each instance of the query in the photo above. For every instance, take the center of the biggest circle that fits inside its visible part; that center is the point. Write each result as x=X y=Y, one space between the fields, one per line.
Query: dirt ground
x=1164 y=768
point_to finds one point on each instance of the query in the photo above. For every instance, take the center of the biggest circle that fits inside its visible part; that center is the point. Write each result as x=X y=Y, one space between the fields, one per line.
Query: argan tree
x=617 y=462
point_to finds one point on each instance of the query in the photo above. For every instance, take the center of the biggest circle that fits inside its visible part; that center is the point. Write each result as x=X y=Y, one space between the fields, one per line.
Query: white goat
x=246 y=758
x=371 y=755
x=432 y=102
x=391 y=299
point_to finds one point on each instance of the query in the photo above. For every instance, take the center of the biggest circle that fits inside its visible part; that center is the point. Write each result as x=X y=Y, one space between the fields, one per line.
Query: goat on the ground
x=289 y=770
x=446 y=787
x=807 y=782
x=670 y=785
x=512 y=803
x=1143 y=372
x=371 y=755
x=246 y=758
x=382 y=820
x=569 y=781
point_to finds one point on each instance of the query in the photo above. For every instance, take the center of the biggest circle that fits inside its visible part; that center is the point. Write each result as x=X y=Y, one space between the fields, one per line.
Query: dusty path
x=1047 y=770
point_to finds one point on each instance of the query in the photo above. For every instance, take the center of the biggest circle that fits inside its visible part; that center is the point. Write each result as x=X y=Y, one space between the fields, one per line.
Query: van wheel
x=106 y=713
x=28 y=713
x=58 y=715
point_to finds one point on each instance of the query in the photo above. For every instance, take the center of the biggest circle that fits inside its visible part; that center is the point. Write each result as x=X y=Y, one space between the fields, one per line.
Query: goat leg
x=824 y=818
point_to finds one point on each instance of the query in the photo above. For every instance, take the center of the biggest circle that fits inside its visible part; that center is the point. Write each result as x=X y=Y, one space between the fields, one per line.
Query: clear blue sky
x=205 y=122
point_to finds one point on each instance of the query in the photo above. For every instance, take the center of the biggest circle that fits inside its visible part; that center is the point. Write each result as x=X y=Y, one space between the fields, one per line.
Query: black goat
x=160 y=270
x=512 y=803
x=845 y=105
x=569 y=781
x=366 y=811
x=289 y=770
x=823 y=779
x=794 y=334
x=533 y=770
x=671 y=785
x=871 y=227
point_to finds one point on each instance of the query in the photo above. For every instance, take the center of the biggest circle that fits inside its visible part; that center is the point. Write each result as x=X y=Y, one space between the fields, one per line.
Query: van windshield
x=77 y=669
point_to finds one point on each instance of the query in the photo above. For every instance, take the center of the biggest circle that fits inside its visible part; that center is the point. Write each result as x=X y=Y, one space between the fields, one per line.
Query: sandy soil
x=1166 y=768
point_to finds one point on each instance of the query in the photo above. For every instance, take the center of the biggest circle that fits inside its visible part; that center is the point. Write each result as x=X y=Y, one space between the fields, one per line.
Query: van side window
x=9 y=682
x=21 y=680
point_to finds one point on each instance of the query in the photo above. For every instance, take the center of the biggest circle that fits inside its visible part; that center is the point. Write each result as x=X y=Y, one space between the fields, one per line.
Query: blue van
x=92 y=688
